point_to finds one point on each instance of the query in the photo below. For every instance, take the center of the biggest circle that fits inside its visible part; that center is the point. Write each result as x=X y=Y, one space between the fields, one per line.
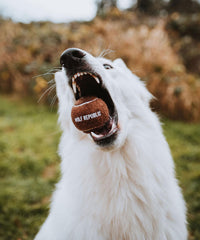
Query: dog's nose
x=71 y=57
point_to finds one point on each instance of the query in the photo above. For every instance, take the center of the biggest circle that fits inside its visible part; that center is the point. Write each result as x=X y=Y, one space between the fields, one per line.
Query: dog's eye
x=107 y=66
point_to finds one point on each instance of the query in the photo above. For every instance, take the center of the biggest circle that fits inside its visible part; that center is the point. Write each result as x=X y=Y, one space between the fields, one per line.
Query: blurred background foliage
x=159 y=41
x=158 y=44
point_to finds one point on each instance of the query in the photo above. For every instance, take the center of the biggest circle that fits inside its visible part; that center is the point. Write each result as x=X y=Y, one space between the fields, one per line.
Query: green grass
x=29 y=139
x=184 y=141
x=28 y=166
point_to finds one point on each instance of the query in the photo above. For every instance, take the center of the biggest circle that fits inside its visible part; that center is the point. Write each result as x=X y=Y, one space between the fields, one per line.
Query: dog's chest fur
x=114 y=195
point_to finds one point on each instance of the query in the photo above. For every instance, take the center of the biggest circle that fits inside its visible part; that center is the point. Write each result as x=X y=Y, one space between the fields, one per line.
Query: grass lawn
x=29 y=169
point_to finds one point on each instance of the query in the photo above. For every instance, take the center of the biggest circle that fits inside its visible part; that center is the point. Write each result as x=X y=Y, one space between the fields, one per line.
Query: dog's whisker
x=54 y=86
x=44 y=74
x=53 y=133
x=136 y=70
x=54 y=69
x=105 y=52
x=57 y=68
x=53 y=101
x=50 y=72
x=48 y=89
x=51 y=81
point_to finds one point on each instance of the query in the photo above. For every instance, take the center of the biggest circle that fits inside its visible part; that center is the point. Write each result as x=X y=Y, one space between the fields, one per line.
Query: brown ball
x=89 y=113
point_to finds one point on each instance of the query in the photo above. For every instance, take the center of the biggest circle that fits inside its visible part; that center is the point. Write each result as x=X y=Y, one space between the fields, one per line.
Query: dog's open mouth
x=86 y=84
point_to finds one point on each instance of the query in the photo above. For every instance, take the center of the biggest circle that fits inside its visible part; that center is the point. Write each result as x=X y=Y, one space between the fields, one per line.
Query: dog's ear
x=142 y=91
x=119 y=62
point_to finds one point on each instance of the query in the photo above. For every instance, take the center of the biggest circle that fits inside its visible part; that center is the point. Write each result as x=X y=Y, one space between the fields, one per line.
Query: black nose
x=71 y=57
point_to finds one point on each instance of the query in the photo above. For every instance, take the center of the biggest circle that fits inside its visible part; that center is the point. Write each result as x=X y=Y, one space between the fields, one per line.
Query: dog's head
x=124 y=94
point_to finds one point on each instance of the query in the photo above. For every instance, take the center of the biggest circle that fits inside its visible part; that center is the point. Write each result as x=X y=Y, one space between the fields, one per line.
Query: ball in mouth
x=89 y=113
x=94 y=111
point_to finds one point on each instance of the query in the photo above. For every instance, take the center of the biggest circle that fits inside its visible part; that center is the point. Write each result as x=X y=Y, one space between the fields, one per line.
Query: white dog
x=118 y=182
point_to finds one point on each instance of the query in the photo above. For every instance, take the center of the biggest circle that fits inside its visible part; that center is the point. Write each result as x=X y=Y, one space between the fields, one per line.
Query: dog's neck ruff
x=115 y=182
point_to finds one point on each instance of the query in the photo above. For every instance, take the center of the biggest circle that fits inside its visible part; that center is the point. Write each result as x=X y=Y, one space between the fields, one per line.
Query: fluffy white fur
x=127 y=191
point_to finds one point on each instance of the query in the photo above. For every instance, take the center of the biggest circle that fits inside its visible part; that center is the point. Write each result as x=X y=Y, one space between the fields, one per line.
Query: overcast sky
x=56 y=11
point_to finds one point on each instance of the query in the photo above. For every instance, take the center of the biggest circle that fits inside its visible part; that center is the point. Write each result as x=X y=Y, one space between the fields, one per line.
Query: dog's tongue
x=89 y=113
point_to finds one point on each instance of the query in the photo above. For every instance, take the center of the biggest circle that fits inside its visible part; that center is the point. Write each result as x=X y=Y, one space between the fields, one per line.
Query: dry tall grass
x=29 y=50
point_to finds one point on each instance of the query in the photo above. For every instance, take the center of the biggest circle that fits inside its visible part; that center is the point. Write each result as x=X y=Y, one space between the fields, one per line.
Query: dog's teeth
x=74 y=86
x=96 y=78
x=96 y=136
